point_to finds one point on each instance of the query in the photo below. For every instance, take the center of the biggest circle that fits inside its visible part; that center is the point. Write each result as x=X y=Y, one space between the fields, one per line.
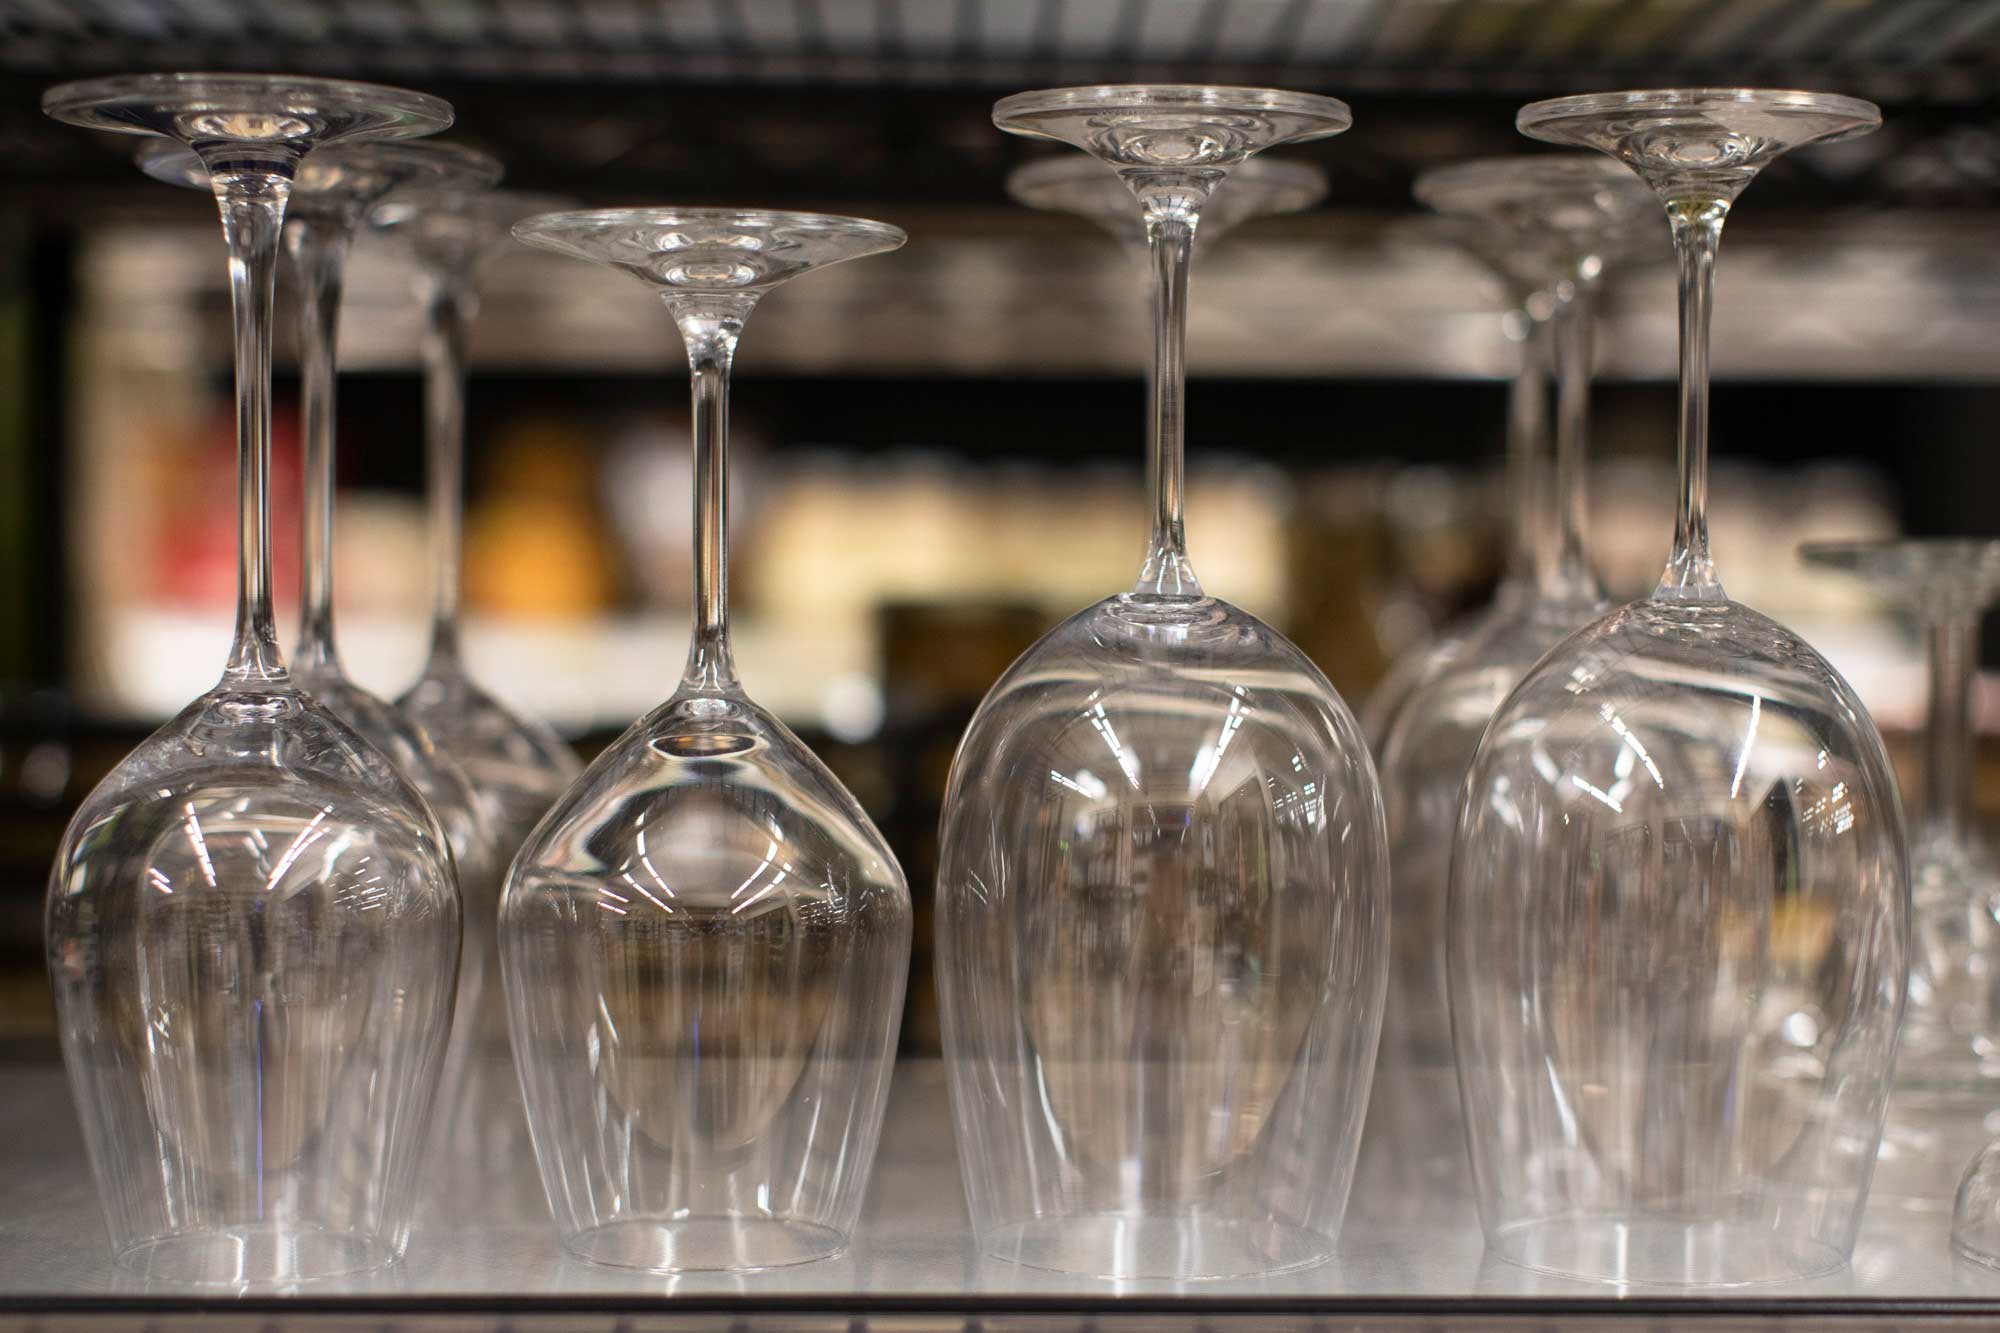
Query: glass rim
x=1193 y=96
x=537 y=228
x=1666 y=99
x=71 y=103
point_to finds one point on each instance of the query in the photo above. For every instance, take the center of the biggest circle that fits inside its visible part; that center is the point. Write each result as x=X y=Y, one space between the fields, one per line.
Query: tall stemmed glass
x=331 y=195
x=1679 y=907
x=1524 y=492
x=518 y=766
x=1162 y=901
x=253 y=928
x=1552 y=224
x=705 y=943
x=1948 y=1058
x=1258 y=187
x=1951 y=1028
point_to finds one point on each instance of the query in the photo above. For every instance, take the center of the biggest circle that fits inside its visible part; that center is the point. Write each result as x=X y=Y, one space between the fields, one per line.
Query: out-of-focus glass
x=253 y=927
x=1679 y=908
x=517 y=764
x=705 y=944
x=1948 y=1059
x=1161 y=905
x=1549 y=225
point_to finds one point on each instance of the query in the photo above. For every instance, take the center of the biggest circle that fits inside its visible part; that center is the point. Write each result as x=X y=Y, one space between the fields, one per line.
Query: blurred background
x=938 y=452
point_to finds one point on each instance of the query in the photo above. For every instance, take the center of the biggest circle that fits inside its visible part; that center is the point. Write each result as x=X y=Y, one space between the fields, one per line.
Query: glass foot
x=452 y=231
x=1704 y=141
x=245 y=110
x=1938 y=575
x=1174 y=1247
x=1171 y=127
x=255 y=1256
x=719 y=250
x=1546 y=199
x=711 y=1244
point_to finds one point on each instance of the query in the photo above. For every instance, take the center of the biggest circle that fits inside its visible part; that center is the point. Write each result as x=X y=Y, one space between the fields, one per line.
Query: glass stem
x=318 y=250
x=1170 y=238
x=1567 y=573
x=449 y=306
x=1948 y=726
x=710 y=325
x=1527 y=447
x=1697 y=227
x=251 y=197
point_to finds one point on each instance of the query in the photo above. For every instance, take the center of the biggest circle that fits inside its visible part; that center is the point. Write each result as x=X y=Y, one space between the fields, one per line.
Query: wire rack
x=841 y=102
x=1927 y=49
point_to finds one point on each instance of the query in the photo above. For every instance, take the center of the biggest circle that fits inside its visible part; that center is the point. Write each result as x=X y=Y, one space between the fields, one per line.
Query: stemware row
x=1669 y=936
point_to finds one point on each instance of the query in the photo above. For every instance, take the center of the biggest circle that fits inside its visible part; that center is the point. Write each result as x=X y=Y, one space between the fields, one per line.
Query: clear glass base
x=1176 y=1247
x=256 y=1256
x=718 y=1242
x=1665 y=1251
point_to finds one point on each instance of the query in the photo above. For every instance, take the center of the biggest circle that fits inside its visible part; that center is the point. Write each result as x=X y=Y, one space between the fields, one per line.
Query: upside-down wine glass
x=705 y=943
x=1258 y=187
x=1951 y=1026
x=1526 y=322
x=1948 y=1058
x=1679 y=898
x=1162 y=899
x=1552 y=224
x=518 y=765
x=331 y=195
x=253 y=928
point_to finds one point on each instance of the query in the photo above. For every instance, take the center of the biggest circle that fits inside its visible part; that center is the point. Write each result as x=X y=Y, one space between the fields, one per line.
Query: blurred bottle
x=938 y=661
x=535 y=543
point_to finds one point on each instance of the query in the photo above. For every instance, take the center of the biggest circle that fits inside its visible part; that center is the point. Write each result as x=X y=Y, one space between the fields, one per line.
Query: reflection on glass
x=1162 y=894
x=253 y=929
x=705 y=944
x=1679 y=899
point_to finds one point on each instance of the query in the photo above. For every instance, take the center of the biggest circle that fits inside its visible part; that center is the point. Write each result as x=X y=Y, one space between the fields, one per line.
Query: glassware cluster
x=1651 y=889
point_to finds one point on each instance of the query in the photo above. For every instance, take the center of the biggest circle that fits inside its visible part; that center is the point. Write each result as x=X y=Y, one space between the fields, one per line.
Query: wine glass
x=1550 y=225
x=1526 y=323
x=705 y=943
x=1259 y=187
x=518 y=765
x=1162 y=898
x=331 y=195
x=253 y=929
x=1949 y=1053
x=1679 y=896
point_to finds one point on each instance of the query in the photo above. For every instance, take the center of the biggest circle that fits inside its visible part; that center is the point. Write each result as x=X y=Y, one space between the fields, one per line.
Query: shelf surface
x=484 y=1246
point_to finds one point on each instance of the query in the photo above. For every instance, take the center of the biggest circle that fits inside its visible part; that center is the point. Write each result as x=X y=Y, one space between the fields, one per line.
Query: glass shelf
x=485 y=1256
